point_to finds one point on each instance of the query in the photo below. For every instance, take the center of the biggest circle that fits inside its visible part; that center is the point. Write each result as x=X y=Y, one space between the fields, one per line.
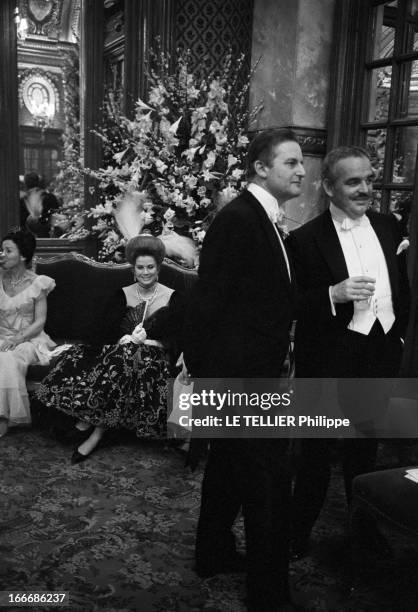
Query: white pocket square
x=403 y=246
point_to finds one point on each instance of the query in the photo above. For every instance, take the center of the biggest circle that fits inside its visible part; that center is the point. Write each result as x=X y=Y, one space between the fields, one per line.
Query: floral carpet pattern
x=117 y=533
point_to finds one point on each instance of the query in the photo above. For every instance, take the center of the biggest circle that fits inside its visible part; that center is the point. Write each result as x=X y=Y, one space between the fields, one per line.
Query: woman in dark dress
x=122 y=384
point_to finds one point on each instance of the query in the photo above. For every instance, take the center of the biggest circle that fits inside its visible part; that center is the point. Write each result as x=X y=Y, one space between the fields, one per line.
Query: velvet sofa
x=386 y=502
x=83 y=288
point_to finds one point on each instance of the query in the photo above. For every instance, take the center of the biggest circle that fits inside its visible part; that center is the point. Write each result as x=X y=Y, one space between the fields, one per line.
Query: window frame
x=350 y=85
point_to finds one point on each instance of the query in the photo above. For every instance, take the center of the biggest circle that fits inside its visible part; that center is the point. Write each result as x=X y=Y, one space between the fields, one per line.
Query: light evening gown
x=16 y=314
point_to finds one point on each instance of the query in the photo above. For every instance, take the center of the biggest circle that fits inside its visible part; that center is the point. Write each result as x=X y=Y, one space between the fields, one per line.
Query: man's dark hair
x=336 y=155
x=25 y=242
x=263 y=144
x=31 y=180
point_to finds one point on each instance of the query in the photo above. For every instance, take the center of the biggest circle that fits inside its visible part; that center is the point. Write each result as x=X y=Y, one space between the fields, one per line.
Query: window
x=375 y=98
x=41 y=159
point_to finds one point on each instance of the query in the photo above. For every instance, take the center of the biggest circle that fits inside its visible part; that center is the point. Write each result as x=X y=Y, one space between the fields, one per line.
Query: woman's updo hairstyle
x=144 y=245
x=25 y=242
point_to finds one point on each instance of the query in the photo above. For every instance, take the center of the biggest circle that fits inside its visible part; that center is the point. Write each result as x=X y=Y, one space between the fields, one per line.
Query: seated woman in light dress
x=123 y=382
x=22 y=319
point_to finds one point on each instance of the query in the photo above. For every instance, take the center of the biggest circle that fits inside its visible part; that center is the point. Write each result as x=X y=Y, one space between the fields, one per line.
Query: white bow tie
x=277 y=216
x=348 y=224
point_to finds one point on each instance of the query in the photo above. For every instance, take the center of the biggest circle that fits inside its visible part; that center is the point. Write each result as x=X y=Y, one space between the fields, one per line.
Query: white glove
x=139 y=334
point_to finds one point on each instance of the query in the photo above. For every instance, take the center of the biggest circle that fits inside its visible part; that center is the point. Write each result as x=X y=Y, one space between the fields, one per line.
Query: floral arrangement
x=177 y=162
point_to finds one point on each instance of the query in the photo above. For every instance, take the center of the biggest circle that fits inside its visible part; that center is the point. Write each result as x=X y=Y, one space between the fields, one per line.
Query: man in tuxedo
x=352 y=311
x=238 y=327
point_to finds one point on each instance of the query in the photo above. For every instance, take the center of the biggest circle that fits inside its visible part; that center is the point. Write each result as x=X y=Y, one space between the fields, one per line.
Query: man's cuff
x=334 y=313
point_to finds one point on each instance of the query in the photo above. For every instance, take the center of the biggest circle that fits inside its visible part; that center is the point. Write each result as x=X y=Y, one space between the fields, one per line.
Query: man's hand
x=355 y=288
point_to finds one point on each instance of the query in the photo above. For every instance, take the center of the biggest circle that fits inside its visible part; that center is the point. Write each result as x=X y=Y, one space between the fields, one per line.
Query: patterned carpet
x=117 y=532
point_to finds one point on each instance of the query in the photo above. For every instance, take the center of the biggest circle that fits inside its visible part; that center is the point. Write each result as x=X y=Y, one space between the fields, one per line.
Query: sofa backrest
x=84 y=288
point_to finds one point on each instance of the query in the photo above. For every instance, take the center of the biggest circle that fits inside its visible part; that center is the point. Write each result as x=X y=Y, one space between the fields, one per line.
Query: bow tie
x=277 y=216
x=348 y=224
x=278 y=219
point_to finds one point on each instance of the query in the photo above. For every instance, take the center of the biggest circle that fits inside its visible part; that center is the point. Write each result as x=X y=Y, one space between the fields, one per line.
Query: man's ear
x=260 y=168
x=327 y=186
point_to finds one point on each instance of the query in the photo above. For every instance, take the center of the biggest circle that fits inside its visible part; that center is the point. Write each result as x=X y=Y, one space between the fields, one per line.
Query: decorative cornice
x=313 y=141
x=42 y=44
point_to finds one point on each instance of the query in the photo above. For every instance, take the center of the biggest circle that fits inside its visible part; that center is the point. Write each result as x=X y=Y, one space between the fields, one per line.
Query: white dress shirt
x=271 y=206
x=364 y=256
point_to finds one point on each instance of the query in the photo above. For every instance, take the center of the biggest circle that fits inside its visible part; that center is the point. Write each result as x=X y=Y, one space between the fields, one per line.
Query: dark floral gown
x=117 y=386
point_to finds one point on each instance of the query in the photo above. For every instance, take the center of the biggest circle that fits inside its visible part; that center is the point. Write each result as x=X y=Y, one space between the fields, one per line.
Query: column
x=9 y=133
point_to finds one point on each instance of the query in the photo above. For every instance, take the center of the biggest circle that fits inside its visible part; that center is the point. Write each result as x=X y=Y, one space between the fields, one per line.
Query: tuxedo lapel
x=272 y=238
x=385 y=237
x=330 y=247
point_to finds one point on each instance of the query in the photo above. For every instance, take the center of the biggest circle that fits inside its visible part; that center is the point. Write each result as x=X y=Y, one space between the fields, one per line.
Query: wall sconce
x=21 y=25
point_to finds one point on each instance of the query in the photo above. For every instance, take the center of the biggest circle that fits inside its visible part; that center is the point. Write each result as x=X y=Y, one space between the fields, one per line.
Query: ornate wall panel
x=42 y=16
x=210 y=28
x=39 y=97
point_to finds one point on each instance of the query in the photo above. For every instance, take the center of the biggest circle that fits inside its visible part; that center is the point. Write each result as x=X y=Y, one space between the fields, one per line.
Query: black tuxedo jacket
x=318 y=261
x=241 y=308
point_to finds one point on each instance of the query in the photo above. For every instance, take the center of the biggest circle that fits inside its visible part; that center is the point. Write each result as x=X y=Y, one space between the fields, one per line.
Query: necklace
x=21 y=279
x=146 y=299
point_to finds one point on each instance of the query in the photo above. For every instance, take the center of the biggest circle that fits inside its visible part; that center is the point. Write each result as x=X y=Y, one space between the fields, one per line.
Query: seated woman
x=22 y=319
x=123 y=383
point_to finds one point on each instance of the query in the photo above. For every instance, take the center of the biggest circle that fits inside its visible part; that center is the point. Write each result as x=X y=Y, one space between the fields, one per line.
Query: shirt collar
x=345 y=222
x=267 y=201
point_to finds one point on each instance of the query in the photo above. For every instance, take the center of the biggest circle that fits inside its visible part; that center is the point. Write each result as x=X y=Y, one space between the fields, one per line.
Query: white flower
x=232 y=160
x=242 y=141
x=160 y=166
x=118 y=156
x=157 y=95
x=169 y=214
x=226 y=195
x=191 y=181
x=207 y=175
x=175 y=125
x=210 y=159
x=214 y=127
x=98 y=210
x=147 y=217
x=190 y=204
x=140 y=104
x=101 y=225
x=190 y=153
x=237 y=174
x=221 y=138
